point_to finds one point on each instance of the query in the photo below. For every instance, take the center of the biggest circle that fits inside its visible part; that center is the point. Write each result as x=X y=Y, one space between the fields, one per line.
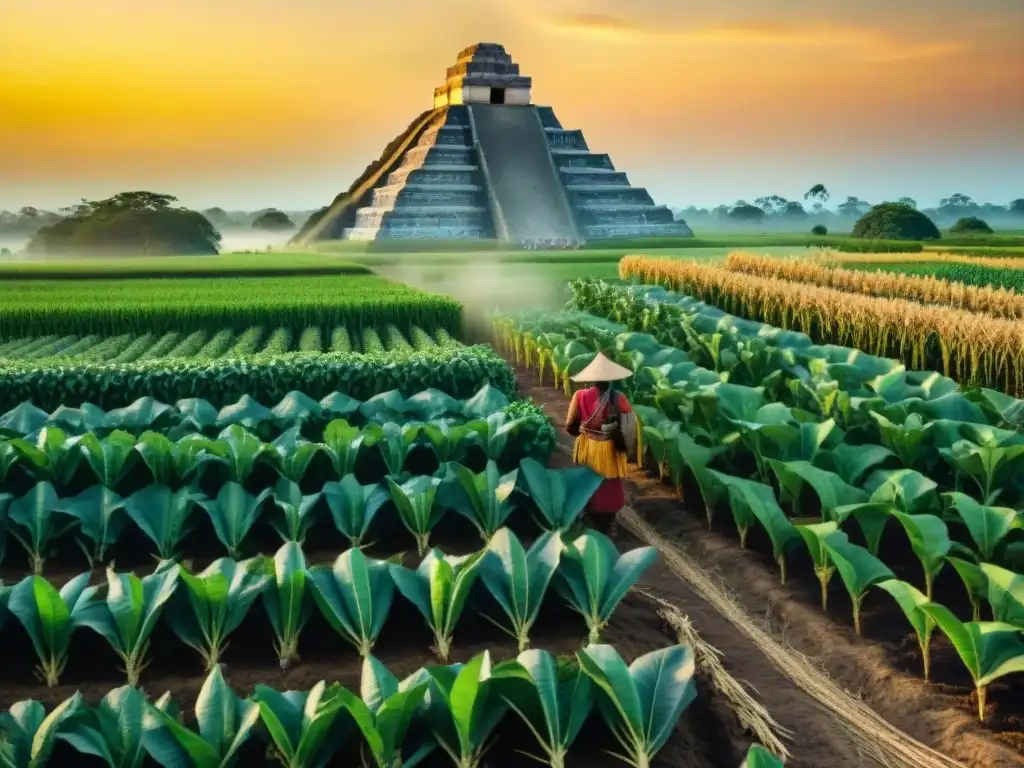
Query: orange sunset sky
x=255 y=103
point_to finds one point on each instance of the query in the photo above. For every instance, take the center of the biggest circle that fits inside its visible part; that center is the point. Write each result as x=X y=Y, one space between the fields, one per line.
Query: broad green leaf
x=560 y=495
x=354 y=597
x=353 y=507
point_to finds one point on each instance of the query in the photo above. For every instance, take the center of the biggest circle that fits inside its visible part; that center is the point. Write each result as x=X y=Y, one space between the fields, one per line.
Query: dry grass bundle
x=975 y=349
x=926 y=289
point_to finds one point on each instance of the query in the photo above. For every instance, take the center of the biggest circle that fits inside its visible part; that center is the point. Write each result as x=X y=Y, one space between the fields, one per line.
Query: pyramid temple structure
x=486 y=163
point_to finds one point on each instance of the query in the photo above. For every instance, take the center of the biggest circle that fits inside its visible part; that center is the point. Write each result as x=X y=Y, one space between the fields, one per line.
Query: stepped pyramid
x=487 y=163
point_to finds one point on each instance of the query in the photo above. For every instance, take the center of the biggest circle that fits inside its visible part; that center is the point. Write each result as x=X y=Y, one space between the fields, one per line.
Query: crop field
x=256 y=519
x=982 y=272
x=890 y=494
x=297 y=520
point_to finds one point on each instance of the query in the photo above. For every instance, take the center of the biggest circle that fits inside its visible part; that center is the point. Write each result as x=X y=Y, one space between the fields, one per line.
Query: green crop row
x=355 y=596
x=459 y=371
x=207 y=345
x=96 y=517
x=969 y=274
x=455 y=708
x=294 y=409
x=115 y=307
x=860 y=440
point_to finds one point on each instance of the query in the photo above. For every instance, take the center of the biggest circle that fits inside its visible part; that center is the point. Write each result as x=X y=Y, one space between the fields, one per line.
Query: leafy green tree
x=819 y=229
x=956 y=206
x=771 y=204
x=273 y=220
x=1016 y=207
x=895 y=221
x=129 y=223
x=853 y=208
x=908 y=201
x=819 y=196
x=793 y=211
x=971 y=225
x=746 y=213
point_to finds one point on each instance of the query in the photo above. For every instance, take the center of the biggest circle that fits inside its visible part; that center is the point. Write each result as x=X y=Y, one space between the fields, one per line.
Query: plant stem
x=856 y=615
x=443 y=645
x=823 y=579
x=981 y=702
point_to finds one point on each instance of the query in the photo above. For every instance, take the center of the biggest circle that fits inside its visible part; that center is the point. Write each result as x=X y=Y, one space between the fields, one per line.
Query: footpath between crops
x=844 y=701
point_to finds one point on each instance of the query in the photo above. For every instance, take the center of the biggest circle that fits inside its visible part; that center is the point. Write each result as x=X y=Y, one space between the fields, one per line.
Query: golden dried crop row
x=897 y=285
x=975 y=349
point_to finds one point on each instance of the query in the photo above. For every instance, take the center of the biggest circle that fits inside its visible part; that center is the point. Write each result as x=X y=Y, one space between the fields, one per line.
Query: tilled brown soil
x=881 y=667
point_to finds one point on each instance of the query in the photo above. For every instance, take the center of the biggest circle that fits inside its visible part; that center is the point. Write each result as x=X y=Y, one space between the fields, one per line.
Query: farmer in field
x=604 y=425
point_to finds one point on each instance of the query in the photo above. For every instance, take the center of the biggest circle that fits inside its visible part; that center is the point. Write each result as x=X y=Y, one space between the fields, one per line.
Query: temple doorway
x=497 y=95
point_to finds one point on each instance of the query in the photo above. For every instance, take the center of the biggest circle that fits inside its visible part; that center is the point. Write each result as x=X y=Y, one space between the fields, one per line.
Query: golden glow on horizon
x=176 y=89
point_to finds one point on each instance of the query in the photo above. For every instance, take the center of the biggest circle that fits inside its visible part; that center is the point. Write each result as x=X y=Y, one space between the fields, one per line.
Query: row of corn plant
x=294 y=409
x=455 y=710
x=976 y=349
x=926 y=289
x=455 y=369
x=721 y=421
x=116 y=307
x=165 y=512
x=505 y=582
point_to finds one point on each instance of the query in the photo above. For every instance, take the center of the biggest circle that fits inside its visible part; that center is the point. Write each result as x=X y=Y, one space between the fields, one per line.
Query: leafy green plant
x=239 y=450
x=759 y=757
x=170 y=462
x=483 y=498
x=593 y=577
x=518 y=579
x=208 y=606
x=51 y=456
x=415 y=501
x=1005 y=594
x=450 y=442
x=989 y=464
x=296 y=511
x=303 y=726
x=560 y=495
x=100 y=515
x=975 y=582
x=858 y=569
x=989 y=649
x=233 y=513
x=113 y=730
x=354 y=597
x=225 y=723
x=911 y=602
x=439 y=588
x=395 y=442
x=929 y=539
x=641 y=703
x=383 y=714
x=293 y=455
x=49 y=618
x=554 y=700
x=988 y=526
x=30 y=734
x=125 y=611
x=353 y=507
x=286 y=600
x=755 y=501
x=163 y=515
x=34 y=523
x=468 y=709
x=110 y=458
x=814 y=535
x=342 y=443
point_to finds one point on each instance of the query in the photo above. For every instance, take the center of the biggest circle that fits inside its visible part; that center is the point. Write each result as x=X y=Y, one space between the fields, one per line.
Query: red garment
x=610 y=496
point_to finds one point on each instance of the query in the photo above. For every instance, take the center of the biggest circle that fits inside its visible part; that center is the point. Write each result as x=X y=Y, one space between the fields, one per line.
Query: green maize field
x=970 y=274
x=117 y=307
x=212 y=345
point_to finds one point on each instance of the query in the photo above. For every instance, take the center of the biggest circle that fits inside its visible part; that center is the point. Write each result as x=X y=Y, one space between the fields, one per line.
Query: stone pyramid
x=487 y=163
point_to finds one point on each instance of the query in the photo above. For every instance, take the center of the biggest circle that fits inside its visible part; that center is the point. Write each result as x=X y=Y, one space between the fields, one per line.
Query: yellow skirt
x=601 y=456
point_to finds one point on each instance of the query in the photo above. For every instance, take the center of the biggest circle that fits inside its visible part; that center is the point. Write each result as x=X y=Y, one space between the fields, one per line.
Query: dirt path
x=858 y=667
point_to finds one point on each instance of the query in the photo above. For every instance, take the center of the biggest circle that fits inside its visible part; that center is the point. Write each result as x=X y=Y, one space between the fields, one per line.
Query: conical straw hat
x=602 y=369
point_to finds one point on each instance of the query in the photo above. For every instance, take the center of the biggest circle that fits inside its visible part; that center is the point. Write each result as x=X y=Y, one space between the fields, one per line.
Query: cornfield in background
x=975 y=349
x=921 y=288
